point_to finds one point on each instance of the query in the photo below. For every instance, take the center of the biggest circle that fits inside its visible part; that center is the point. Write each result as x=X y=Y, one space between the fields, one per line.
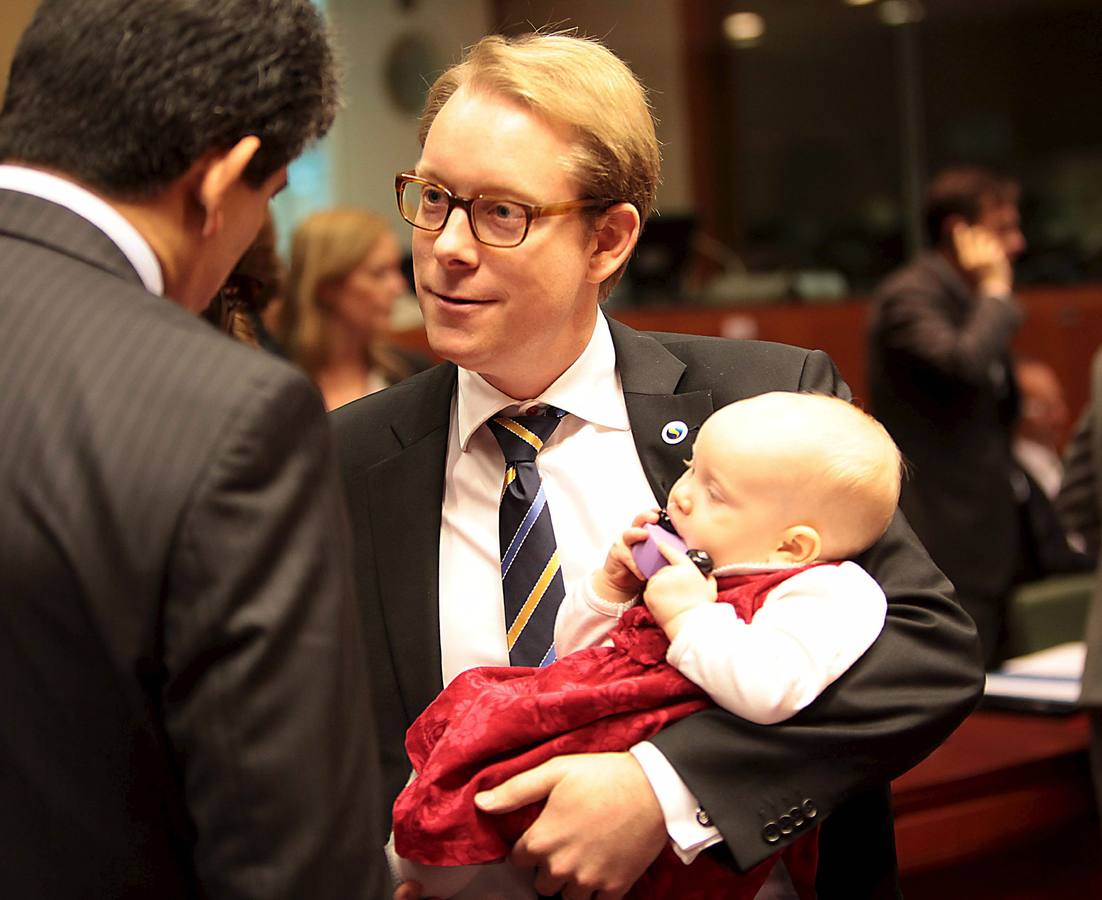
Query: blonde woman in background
x=345 y=276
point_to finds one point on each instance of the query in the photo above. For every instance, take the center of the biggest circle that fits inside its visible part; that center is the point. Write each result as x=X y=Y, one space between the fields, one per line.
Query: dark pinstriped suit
x=898 y=702
x=182 y=686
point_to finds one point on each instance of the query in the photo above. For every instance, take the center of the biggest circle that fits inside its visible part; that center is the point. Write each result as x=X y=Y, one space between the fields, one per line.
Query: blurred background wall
x=797 y=134
x=14 y=16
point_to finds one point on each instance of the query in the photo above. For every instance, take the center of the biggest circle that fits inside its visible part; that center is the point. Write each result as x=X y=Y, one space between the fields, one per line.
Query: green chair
x=1042 y=614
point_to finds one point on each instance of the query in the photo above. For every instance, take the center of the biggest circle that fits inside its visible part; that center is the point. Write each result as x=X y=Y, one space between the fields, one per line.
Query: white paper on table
x=1053 y=674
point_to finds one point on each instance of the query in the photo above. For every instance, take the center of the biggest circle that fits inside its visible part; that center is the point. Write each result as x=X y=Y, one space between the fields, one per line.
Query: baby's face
x=728 y=502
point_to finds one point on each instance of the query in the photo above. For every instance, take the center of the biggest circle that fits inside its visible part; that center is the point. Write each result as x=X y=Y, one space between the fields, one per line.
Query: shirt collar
x=590 y=389
x=92 y=209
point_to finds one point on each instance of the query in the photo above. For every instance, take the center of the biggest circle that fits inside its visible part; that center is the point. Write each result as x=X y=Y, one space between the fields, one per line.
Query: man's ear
x=222 y=172
x=798 y=545
x=616 y=232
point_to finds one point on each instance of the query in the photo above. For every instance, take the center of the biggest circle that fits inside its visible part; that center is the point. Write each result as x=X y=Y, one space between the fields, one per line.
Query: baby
x=781 y=490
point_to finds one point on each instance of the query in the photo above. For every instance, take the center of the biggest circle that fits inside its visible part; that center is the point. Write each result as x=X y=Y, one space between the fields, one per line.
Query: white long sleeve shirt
x=809 y=630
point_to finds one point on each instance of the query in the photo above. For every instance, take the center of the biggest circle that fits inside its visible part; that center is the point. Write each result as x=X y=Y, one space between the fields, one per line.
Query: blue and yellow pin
x=675 y=432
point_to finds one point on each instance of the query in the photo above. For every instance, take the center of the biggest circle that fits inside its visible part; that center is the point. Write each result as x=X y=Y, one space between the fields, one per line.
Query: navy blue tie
x=531 y=577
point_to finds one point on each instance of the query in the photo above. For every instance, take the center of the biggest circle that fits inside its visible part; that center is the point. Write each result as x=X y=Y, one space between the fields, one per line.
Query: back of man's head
x=961 y=192
x=125 y=95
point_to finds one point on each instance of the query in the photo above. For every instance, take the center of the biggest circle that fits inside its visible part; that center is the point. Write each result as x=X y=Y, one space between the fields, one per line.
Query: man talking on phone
x=941 y=379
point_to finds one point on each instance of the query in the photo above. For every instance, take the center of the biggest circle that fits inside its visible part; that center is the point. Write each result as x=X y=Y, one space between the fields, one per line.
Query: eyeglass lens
x=497 y=222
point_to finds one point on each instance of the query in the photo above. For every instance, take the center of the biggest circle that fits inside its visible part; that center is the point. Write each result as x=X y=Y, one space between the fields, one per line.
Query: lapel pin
x=674 y=432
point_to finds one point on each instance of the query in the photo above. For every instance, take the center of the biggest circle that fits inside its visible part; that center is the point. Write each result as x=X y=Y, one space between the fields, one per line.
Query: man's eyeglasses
x=495 y=222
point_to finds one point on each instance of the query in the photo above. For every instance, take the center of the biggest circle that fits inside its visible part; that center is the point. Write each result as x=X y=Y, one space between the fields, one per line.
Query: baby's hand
x=620 y=579
x=675 y=589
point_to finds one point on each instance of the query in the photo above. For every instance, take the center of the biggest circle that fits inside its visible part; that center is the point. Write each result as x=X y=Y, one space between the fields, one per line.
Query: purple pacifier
x=649 y=558
x=646 y=553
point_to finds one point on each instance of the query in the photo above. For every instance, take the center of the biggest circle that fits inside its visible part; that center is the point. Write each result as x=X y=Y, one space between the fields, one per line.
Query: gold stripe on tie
x=520 y=431
x=533 y=599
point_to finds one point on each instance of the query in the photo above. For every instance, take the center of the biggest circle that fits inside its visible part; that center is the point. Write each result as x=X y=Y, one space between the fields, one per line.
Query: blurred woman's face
x=364 y=300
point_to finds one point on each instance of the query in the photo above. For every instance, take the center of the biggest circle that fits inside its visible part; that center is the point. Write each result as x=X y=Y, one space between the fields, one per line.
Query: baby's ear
x=798 y=545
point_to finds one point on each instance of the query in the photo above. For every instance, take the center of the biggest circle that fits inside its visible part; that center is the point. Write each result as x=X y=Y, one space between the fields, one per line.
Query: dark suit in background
x=941 y=380
x=835 y=758
x=1080 y=506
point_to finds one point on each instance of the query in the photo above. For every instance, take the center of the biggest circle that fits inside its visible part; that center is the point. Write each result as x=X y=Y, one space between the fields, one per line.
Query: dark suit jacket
x=1080 y=506
x=762 y=785
x=185 y=706
x=941 y=381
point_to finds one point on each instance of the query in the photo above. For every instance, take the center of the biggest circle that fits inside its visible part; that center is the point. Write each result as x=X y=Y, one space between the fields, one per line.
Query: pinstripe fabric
x=531 y=577
x=170 y=529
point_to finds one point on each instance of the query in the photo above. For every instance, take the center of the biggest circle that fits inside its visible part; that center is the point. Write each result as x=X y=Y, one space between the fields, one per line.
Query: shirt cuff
x=611 y=608
x=688 y=825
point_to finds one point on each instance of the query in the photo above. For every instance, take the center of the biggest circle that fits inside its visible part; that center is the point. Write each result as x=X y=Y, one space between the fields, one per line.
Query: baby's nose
x=679 y=496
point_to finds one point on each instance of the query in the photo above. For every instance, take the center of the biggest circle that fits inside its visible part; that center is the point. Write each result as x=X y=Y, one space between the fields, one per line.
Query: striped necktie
x=531 y=578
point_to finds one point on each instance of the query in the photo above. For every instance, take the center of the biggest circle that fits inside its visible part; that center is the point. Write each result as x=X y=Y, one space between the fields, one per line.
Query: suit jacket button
x=810 y=810
x=786 y=824
x=797 y=816
x=771 y=833
x=703 y=818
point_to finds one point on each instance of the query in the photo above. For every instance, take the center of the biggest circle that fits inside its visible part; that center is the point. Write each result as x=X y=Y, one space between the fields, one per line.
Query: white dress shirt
x=92 y=209
x=595 y=486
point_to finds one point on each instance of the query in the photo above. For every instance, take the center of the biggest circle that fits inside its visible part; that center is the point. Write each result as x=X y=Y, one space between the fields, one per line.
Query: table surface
x=990 y=741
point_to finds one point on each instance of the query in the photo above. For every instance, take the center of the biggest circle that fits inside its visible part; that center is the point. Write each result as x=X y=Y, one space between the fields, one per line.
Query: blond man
x=551 y=136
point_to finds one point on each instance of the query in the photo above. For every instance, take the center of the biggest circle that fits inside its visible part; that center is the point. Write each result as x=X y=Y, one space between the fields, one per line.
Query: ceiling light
x=744 y=29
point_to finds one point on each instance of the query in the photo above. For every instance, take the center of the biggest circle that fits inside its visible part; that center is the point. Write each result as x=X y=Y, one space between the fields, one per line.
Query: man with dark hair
x=941 y=379
x=185 y=699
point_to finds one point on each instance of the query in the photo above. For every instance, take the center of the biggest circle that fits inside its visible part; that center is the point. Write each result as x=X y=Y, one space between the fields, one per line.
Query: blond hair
x=838 y=465
x=578 y=82
x=325 y=249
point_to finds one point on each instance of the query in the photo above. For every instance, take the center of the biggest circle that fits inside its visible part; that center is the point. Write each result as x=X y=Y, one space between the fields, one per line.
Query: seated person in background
x=1044 y=417
x=941 y=379
x=345 y=276
x=1080 y=506
x=781 y=489
x=1046 y=548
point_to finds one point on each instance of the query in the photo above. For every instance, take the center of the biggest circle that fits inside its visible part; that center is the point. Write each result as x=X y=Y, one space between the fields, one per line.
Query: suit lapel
x=650 y=375
x=407 y=493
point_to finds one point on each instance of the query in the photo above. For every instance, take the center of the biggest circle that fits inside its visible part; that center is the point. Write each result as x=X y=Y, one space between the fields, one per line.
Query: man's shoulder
x=692 y=347
x=729 y=369
x=928 y=274
x=204 y=368
x=366 y=428
x=710 y=359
